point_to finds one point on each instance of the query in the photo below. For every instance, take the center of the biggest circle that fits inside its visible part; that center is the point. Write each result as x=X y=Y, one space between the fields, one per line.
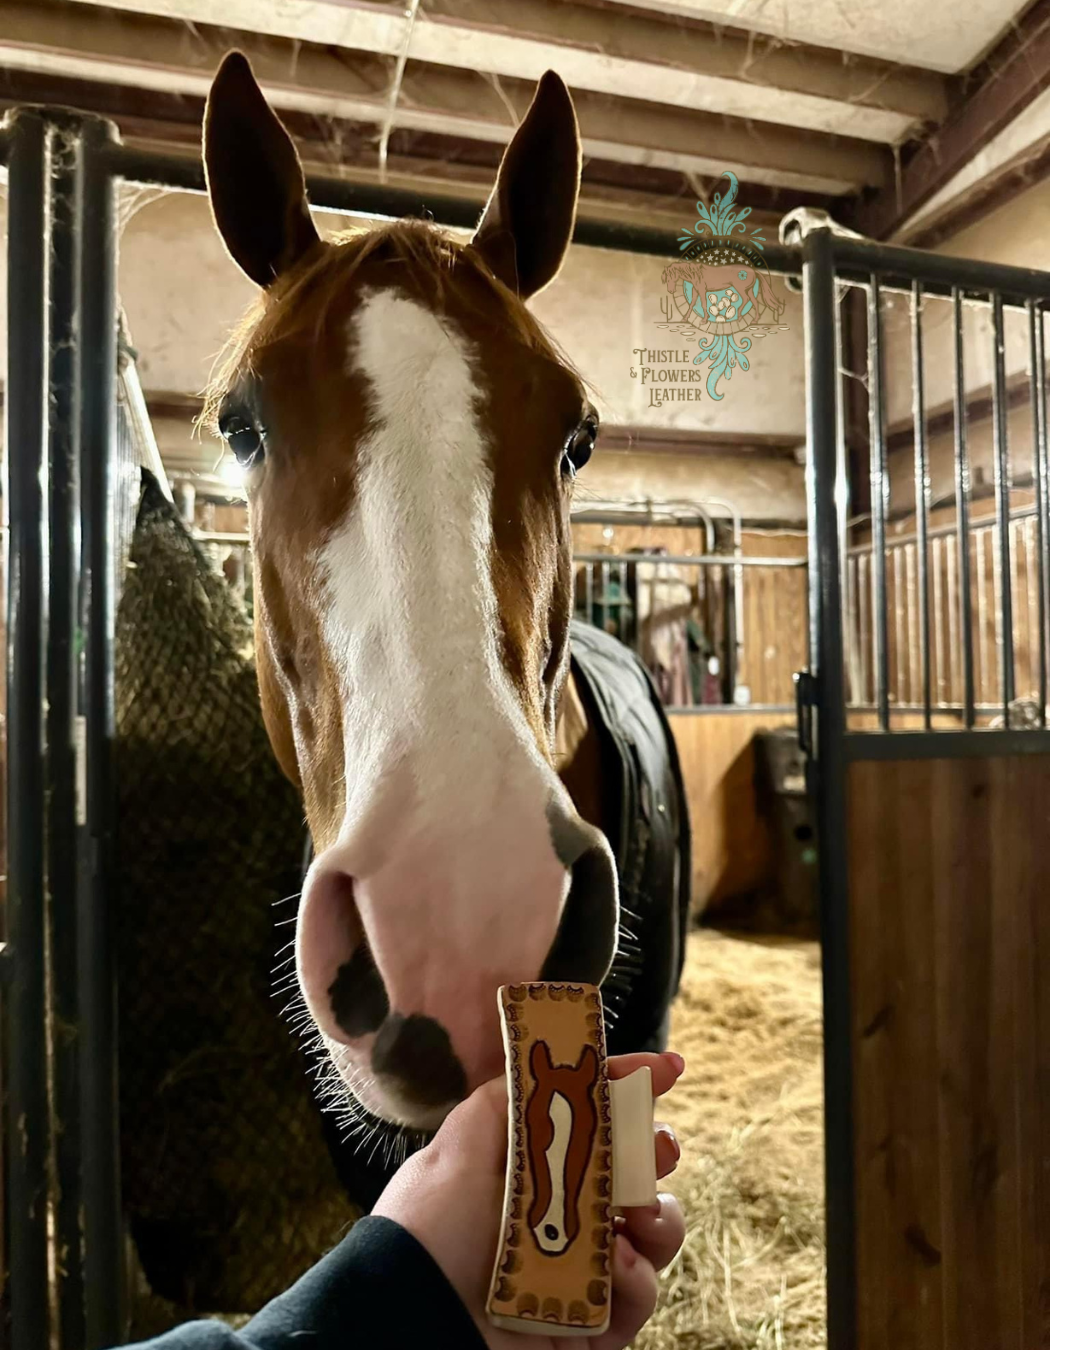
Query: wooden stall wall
x=949 y=927
x=731 y=852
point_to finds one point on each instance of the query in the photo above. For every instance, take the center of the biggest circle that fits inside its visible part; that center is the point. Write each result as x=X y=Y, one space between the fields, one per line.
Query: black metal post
x=1041 y=480
x=962 y=470
x=879 y=499
x=96 y=935
x=25 y=1060
x=922 y=491
x=827 y=772
x=61 y=674
x=1003 y=496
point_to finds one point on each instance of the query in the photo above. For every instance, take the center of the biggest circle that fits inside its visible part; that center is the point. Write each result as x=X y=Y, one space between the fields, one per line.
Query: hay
x=748 y=1113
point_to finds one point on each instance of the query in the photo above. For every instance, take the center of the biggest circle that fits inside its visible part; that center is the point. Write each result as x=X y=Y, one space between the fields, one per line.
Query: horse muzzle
x=401 y=949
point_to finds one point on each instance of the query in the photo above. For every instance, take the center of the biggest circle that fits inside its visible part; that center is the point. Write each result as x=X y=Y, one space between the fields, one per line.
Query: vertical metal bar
x=1041 y=479
x=1031 y=577
x=916 y=648
x=879 y=499
x=843 y=492
x=899 y=620
x=828 y=780
x=1014 y=583
x=605 y=593
x=937 y=565
x=922 y=490
x=995 y=608
x=983 y=617
x=962 y=473
x=61 y=677
x=624 y=595
x=853 y=654
x=589 y=592
x=867 y=629
x=957 y=668
x=103 y=1228
x=25 y=1058
x=1003 y=499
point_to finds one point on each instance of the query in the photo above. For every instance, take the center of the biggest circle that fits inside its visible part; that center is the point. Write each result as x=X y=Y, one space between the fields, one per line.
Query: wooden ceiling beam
x=420 y=161
x=996 y=91
x=166 y=56
x=608 y=48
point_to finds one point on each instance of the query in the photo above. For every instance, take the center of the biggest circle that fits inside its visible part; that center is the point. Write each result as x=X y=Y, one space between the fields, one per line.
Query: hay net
x=229 y=1187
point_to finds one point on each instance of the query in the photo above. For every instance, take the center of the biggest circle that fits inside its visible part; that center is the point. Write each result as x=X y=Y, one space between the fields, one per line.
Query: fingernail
x=669 y=1133
x=677 y=1061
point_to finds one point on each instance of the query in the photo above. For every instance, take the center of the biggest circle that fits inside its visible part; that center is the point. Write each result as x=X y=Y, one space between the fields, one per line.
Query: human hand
x=449 y=1196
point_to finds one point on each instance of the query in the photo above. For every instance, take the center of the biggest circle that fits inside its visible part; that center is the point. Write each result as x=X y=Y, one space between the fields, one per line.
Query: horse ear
x=253 y=176
x=588 y=1065
x=529 y=218
x=540 y=1060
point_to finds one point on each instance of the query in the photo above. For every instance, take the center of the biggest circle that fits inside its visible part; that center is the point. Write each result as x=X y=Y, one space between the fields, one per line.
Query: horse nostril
x=416 y=1051
x=358 y=996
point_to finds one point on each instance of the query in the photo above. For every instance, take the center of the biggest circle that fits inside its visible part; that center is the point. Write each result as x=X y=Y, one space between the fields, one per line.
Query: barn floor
x=748 y=1112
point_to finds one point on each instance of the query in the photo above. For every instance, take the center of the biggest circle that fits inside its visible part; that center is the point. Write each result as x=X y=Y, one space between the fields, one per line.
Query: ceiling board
x=934 y=34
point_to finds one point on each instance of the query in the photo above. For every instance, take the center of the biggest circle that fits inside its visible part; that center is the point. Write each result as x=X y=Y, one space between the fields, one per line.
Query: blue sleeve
x=377 y=1290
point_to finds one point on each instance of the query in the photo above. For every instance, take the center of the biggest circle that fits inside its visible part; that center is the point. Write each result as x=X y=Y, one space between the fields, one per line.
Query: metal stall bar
x=879 y=501
x=25 y=1050
x=185 y=174
x=1041 y=477
x=103 y=1225
x=826 y=769
x=962 y=474
x=922 y=491
x=1003 y=616
x=61 y=676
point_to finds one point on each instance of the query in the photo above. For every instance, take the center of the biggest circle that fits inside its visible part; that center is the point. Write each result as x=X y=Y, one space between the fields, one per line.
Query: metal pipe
x=879 y=500
x=983 y=617
x=962 y=478
x=1041 y=475
x=939 y=620
x=348 y=197
x=23 y=1002
x=691 y=559
x=103 y=1227
x=938 y=273
x=1003 y=498
x=914 y=643
x=605 y=592
x=827 y=771
x=952 y=585
x=1031 y=576
x=899 y=618
x=589 y=591
x=624 y=596
x=938 y=532
x=61 y=730
x=922 y=487
x=866 y=633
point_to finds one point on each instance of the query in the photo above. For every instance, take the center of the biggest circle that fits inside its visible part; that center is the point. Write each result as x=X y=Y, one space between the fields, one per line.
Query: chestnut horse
x=412 y=437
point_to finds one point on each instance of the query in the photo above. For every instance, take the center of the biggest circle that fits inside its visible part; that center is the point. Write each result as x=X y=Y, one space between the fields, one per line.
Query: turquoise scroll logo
x=720 y=291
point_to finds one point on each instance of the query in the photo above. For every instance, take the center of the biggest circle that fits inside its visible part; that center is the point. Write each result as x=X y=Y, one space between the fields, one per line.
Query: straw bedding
x=748 y=1112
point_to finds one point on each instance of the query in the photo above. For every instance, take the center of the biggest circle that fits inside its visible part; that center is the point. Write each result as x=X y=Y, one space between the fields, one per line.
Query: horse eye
x=243 y=437
x=579 y=447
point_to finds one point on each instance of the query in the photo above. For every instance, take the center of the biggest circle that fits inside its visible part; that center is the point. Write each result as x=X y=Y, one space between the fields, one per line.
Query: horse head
x=411 y=436
x=560 y=1121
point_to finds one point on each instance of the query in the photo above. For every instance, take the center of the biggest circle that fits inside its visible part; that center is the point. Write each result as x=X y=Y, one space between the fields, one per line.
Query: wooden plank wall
x=949 y=914
x=731 y=850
